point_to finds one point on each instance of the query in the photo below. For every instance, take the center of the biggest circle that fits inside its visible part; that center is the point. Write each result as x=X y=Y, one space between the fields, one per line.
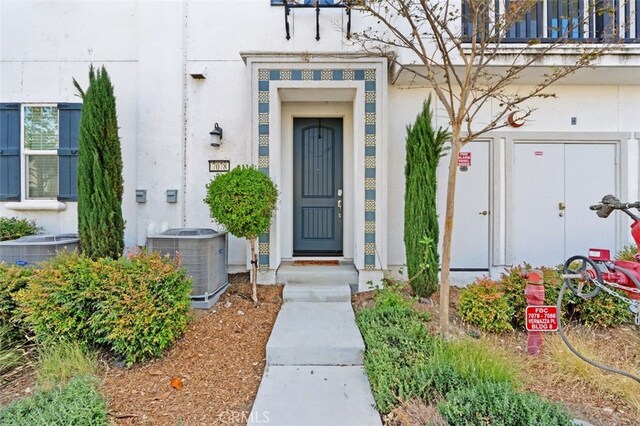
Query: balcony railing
x=548 y=21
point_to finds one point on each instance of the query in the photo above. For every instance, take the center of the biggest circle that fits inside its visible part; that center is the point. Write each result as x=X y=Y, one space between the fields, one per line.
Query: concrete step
x=314 y=396
x=316 y=293
x=317 y=274
x=307 y=333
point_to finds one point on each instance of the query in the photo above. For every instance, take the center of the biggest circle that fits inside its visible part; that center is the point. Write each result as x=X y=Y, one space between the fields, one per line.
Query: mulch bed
x=582 y=401
x=210 y=376
x=218 y=363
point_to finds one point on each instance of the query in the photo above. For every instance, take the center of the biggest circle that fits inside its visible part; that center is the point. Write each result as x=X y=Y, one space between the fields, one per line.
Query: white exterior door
x=470 y=243
x=590 y=173
x=553 y=187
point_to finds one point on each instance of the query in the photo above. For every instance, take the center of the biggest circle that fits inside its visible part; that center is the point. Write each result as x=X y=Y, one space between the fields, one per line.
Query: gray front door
x=317 y=187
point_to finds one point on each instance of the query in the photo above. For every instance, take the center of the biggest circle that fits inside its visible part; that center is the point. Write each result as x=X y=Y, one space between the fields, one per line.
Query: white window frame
x=25 y=153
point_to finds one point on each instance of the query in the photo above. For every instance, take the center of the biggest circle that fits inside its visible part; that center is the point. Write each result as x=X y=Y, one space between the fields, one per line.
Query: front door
x=317 y=187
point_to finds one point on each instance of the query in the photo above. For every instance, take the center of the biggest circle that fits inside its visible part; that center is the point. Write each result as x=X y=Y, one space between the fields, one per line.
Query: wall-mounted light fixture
x=216 y=135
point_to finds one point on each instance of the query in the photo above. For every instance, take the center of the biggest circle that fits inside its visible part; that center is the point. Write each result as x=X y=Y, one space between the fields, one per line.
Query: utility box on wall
x=203 y=252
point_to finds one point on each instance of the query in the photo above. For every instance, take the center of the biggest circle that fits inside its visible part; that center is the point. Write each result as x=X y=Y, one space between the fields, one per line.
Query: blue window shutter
x=69 y=122
x=10 y=152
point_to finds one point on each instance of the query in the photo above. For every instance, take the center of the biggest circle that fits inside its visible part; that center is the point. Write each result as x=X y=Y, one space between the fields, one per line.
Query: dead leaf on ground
x=176 y=383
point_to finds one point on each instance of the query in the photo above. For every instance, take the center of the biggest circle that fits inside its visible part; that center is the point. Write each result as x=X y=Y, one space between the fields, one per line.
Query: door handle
x=339 y=209
x=484 y=213
x=562 y=207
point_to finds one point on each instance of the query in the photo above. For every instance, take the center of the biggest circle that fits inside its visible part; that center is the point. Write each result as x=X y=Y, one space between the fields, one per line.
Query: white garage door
x=553 y=187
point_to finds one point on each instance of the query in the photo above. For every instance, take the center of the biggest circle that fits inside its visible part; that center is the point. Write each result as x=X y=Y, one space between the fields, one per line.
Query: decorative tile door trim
x=368 y=76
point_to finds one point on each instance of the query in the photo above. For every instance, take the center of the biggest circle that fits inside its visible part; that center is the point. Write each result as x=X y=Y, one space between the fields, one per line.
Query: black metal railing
x=548 y=21
x=317 y=5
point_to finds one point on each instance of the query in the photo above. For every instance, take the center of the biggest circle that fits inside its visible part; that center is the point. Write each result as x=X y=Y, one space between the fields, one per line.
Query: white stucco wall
x=165 y=115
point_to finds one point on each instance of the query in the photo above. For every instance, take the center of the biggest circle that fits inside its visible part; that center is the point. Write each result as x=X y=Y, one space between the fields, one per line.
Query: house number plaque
x=218 y=166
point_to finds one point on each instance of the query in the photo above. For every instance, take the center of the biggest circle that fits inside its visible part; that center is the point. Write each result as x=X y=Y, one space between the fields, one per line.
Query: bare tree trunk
x=254 y=271
x=448 y=233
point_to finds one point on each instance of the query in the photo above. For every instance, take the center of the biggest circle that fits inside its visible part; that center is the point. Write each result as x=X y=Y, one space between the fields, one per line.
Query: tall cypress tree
x=425 y=147
x=100 y=182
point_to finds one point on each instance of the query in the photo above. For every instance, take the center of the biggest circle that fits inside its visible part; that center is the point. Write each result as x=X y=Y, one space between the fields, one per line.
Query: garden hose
x=578 y=354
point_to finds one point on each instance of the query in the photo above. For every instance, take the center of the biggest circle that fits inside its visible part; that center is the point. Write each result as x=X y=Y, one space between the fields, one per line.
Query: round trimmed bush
x=243 y=201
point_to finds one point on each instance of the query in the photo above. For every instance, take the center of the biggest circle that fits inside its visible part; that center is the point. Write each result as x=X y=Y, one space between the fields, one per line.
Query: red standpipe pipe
x=534 y=292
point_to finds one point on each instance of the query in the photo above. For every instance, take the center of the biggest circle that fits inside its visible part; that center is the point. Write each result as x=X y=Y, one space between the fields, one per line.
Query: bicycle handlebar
x=610 y=203
x=616 y=206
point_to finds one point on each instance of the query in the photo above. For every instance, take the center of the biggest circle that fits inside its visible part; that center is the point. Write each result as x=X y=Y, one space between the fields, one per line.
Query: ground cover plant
x=405 y=362
x=13 y=227
x=78 y=402
x=67 y=390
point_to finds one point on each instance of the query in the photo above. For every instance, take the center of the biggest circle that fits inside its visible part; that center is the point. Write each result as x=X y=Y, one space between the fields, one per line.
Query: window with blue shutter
x=44 y=140
x=69 y=118
x=10 y=152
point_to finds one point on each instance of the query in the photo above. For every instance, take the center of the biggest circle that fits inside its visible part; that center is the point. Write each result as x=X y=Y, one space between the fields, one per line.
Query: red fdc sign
x=464 y=159
x=542 y=318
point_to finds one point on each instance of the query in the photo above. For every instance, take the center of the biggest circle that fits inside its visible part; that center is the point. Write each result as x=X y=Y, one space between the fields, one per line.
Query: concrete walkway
x=314 y=373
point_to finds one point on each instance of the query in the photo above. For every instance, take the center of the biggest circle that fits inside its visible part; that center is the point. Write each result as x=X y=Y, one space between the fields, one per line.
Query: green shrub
x=77 y=403
x=145 y=307
x=60 y=301
x=403 y=361
x=135 y=307
x=12 y=280
x=602 y=311
x=483 y=305
x=627 y=253
x=513 y=285
x=490 y=403
x=13 y=227
x=425 y=147
x=60 y=362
